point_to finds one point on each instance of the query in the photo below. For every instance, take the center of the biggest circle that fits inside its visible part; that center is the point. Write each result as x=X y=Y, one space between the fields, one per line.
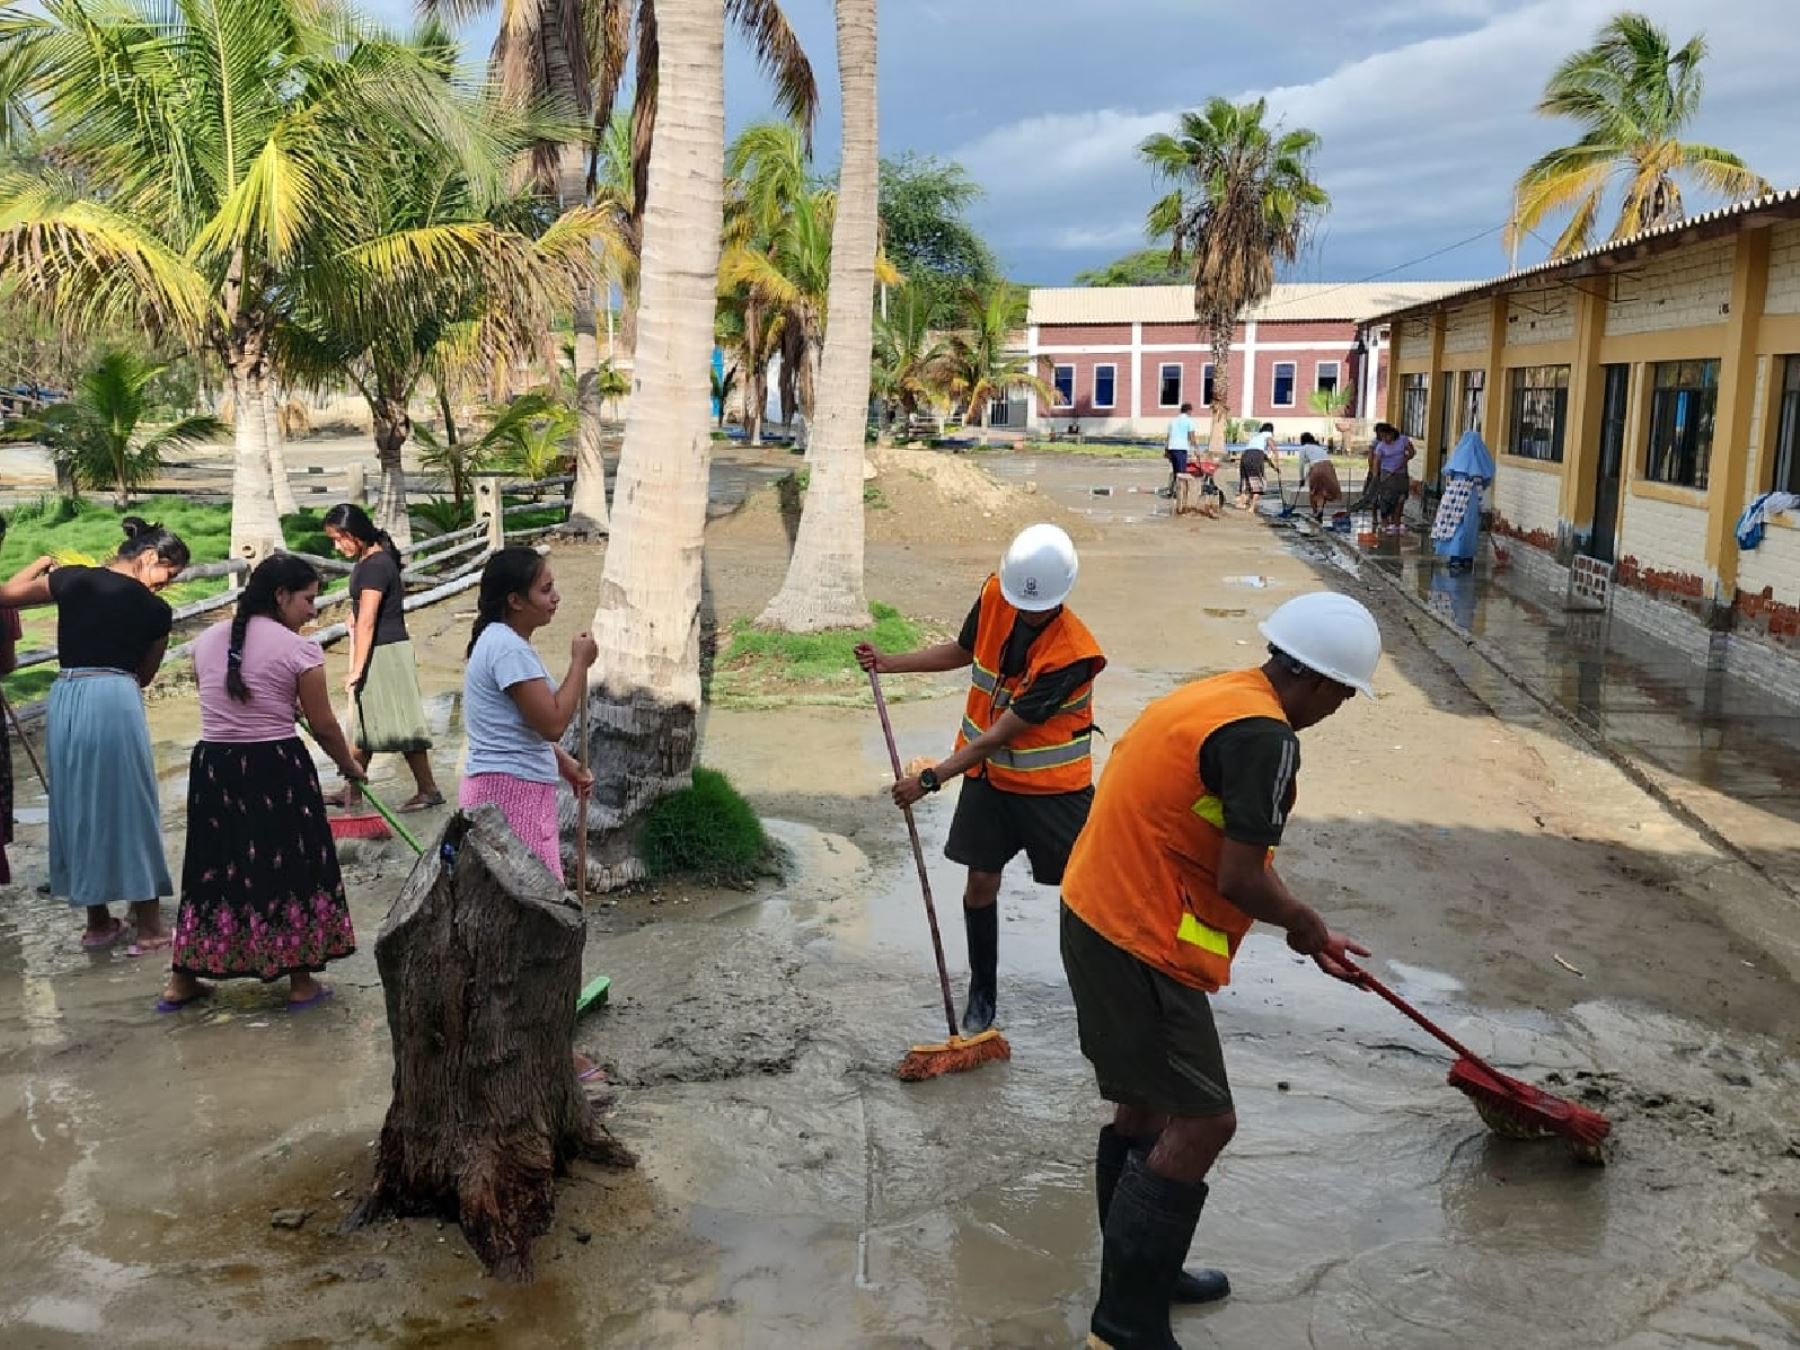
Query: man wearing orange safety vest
x=1024 y=743
x=1176 y=863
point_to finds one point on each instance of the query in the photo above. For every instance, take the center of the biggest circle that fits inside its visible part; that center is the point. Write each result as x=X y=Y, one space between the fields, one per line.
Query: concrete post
x=356 y=484
x=1494 y=394
x=1735 y=408
x=489 y=508
x=1434 y=398
x=1581 y=434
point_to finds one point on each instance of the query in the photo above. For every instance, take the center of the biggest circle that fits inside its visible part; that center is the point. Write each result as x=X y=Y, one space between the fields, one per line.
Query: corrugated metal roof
x=1292 y=301
x=1787 y=201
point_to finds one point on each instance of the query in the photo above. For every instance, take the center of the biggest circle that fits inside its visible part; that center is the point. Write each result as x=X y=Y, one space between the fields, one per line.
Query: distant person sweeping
x=1025 y=741
x=1319 y=475
x=1175 y=866
x=105 y=820
x=513 y=711
x=261 y=893
x=383 y=682
x=1253 y=467
x=1389 y=483
x=1180 y=444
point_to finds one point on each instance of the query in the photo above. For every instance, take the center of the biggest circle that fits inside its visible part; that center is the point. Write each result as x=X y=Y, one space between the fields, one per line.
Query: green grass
x=1090 y=451
x=709 y=832
x=817 y=657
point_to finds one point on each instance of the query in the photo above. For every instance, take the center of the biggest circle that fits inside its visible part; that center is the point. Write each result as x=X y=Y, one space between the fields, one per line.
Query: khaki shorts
x=1150 y=1039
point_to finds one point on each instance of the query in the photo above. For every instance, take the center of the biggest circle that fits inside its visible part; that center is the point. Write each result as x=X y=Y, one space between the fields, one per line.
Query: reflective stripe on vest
x=1038 y=758
x=982 y=678
x=1203 y=936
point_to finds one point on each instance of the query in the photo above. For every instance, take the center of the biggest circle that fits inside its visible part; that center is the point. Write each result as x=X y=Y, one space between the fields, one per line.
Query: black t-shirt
x=1250 y=766
x=106 y=619
x=380 y=573
x=1040 y=700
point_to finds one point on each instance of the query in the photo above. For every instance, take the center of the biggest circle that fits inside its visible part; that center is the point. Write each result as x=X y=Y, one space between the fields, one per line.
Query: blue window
x=1104 y=379
x=1063 y=377
x=1284 y=384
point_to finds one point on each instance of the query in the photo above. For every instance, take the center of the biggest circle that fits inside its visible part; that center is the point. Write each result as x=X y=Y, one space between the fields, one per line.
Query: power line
x=1389 y=271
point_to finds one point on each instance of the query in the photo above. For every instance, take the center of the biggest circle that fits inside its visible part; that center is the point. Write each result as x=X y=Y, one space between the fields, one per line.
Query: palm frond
x=765 y=27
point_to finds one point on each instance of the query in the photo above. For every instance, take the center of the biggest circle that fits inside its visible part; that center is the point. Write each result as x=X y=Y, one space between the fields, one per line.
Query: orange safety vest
x=1144 y=872
x=1054 y=756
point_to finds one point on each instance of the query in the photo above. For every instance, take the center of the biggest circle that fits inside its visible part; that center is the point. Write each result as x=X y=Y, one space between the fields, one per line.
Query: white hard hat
x=1330 y=634
x=1038 y=569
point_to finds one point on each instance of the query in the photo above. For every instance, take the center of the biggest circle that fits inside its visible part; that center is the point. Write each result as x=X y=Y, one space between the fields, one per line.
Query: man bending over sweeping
x=1175 y=865
x=1024 y=739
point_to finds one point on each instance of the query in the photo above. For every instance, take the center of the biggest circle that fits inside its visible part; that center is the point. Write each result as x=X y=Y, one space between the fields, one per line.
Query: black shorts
x=991 y=826
x=1151 y=1039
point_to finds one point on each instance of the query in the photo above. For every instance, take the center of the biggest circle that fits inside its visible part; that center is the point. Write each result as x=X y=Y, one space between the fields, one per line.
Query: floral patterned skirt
x=261 y=894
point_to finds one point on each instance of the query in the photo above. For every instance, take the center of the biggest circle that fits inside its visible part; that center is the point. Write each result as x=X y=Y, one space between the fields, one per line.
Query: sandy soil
x=793 y=1194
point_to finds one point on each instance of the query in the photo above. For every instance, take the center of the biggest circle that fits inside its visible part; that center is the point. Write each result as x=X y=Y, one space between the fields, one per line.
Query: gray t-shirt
x=500 y=739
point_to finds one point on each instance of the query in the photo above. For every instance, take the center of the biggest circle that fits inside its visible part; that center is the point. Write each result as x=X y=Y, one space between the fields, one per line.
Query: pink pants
x=530 y=808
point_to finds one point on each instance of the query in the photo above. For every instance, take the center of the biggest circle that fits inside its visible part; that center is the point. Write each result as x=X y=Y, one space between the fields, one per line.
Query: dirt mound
x=914 y=496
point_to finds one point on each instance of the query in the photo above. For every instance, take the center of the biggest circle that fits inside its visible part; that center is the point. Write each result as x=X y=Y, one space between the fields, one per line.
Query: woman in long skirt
x=261 y=894
x=513 y=713
x=105 y=822
x=383 y=683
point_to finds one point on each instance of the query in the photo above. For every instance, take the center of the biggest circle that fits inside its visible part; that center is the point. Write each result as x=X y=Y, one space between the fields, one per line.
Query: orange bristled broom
x=959 y=1052
x=1508 y=1106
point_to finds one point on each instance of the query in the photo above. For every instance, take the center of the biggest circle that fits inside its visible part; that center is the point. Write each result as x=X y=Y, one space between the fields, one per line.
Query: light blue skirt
x=105 y=822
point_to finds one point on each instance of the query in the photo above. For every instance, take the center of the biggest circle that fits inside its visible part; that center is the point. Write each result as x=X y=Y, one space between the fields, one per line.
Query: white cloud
x=1421 y=141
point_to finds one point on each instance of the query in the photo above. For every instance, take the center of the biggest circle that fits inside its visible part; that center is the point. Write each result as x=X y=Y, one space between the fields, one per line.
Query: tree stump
x=480 y=961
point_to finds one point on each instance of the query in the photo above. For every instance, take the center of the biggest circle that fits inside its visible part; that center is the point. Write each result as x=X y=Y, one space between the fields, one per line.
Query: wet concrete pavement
x=793 y=1194
x=1712 y=740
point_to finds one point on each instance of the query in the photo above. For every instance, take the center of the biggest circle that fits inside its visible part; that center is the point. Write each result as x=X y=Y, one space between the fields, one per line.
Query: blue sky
x=1424 y=107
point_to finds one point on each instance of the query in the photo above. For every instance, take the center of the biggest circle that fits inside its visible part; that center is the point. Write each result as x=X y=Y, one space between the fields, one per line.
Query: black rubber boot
x=1201 y=1285
x=1149 y=1225
x=983 y=926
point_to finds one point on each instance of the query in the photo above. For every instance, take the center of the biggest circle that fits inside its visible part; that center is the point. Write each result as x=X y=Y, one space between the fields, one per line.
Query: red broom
x=1509 y=1106
x=959 y=1052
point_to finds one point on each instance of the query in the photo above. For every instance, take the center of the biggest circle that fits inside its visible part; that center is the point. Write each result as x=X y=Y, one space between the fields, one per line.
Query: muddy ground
x=792 y=1193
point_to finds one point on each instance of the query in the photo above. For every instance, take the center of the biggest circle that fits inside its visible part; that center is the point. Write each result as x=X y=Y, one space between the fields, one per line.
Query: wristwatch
x=928 y=780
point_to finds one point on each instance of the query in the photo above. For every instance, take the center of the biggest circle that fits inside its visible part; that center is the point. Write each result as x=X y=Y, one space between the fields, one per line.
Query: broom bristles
x=360 y=827
x=956 y=1055
x=1529 y=1111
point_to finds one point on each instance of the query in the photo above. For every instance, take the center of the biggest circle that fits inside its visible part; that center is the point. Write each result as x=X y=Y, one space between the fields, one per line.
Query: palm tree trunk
x=587 y=506
x=1219 y=335
x=645 y=688
x=824 y=584
x=448 y=413
x=392 y=427
x=255 y=526
x=285 y=503
x=756 y=374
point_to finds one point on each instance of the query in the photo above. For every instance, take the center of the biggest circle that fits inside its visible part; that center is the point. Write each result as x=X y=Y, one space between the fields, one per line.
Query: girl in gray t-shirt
x=513 y=714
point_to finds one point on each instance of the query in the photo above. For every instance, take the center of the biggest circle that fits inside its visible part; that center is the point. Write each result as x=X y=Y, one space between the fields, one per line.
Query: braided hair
x=144 y=536
x=276 y=573
x=355 y=522
x=511 y=571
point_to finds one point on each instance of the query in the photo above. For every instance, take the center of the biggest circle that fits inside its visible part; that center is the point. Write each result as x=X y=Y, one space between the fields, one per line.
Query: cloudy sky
x=1424 y=107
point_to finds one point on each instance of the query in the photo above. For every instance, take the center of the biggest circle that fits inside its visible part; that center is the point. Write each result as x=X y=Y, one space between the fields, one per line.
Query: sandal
x=422 y=801
x=172 y=1005
x=145 y=946
x=301 y=1005
x=106 y=937
x=342 y=800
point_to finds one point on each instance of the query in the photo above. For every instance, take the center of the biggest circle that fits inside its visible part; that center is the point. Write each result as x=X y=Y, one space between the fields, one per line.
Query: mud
x=792 y=1193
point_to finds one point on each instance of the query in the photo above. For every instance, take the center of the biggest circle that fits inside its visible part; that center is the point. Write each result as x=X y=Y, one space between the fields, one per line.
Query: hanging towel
x=1755 y=517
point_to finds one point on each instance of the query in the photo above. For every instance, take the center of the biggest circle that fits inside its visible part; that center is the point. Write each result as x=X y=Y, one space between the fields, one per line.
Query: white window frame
x=1114 y=400
x=1337 y=375
x=1293 y=382
x=1207 y=375
x=1055 y=384
x=1162 y=371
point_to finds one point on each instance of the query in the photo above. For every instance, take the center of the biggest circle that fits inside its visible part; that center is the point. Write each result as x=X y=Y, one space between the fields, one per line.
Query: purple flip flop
x=166 y=1006
x=325 y=992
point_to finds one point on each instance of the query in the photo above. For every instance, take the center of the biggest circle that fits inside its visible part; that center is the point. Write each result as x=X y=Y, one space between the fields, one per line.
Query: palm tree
x=824 y=583
x=99 y=434
x=982 y=361
x=1329 y=404
x=1243 y=201
x=645 y=688
x=432 y=245
x=202 y=145
x=787 y=278
x=911 y=359
x=1633 y=96
x=768 y=170
x=574 y=54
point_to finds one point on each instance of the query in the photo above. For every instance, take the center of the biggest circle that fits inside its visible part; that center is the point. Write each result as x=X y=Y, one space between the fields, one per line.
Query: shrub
x=707 y=831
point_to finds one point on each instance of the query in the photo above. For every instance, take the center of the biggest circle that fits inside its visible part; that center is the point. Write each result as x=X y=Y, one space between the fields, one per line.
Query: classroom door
x=1610 y=462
